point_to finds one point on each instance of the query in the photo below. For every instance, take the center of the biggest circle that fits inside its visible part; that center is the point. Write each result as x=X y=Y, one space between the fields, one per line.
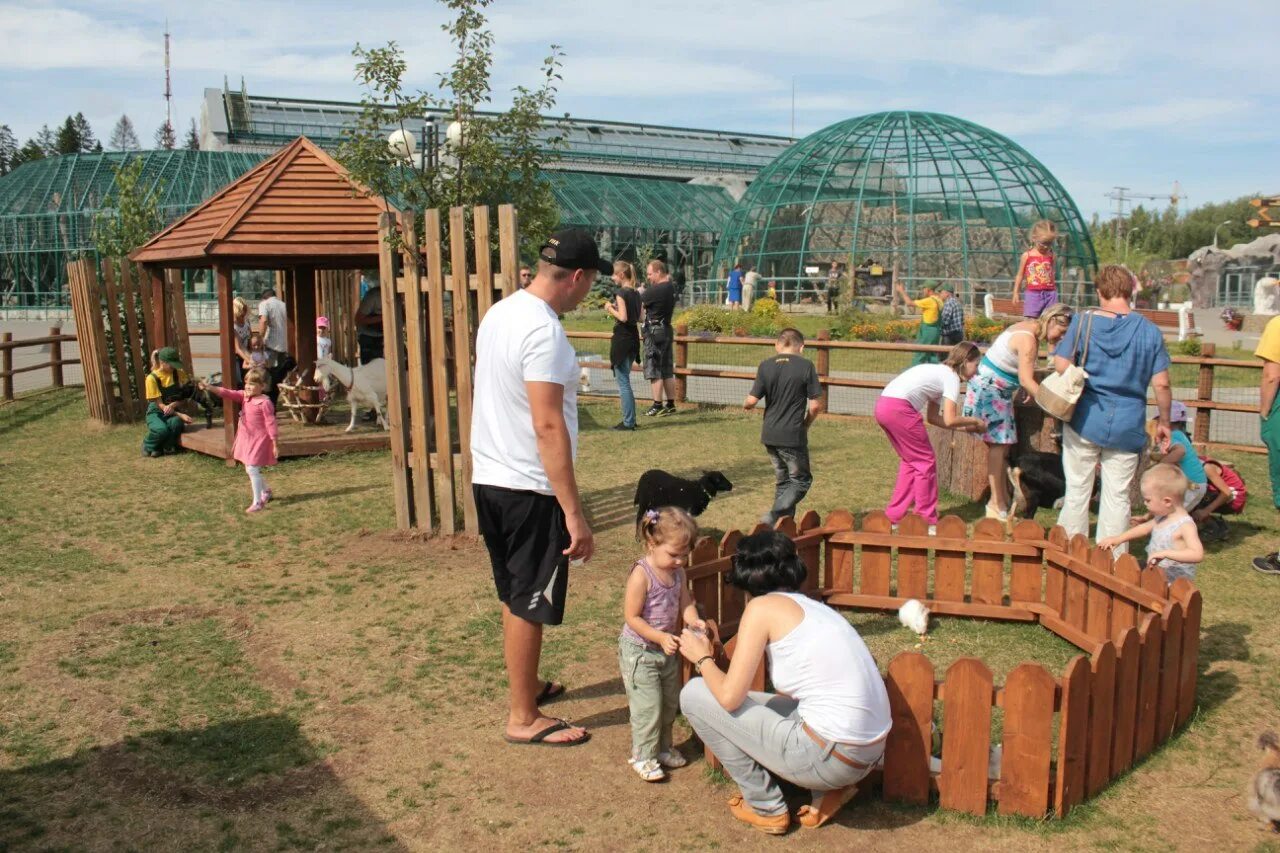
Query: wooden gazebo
x=298 y=212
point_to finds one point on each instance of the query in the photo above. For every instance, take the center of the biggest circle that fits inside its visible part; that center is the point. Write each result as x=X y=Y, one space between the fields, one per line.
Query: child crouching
x=1175 y=543
x=656 y=597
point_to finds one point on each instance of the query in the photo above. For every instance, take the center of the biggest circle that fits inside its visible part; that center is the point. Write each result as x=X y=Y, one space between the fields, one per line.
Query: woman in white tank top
x=1009 y=365
x=826 y=726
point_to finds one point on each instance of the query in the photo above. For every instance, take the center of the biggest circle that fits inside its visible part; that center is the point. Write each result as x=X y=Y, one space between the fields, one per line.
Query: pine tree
x=8 y=150
x=192 y=142
x=47 y=141
x=87 y=140
x=123 y=137
x=68 y=140
x=164 y=136
x=97 y=146
x=31 y=151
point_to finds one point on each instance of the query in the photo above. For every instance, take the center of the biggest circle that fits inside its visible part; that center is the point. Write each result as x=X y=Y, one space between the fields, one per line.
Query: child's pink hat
x=322 y=321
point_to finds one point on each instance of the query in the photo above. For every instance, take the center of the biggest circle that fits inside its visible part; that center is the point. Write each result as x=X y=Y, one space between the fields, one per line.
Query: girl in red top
x=256 y=435
x=1036 y=270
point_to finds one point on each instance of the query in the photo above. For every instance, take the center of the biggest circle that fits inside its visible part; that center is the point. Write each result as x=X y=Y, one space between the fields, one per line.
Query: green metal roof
x=610 y=201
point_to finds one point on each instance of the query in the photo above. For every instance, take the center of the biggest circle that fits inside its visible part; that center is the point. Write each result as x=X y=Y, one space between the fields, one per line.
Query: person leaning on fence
x=825 y=727
x=1269 y=409
x=524 y=437
x=1123 y=353
x=951 y=318
x=750 y=287
x=788 y=383
x=930 y=321
x=659 y=303
x=624 y=346
x=166 y=387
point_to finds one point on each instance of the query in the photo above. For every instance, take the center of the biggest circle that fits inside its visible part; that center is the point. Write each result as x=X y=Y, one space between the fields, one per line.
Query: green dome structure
x=931 y=196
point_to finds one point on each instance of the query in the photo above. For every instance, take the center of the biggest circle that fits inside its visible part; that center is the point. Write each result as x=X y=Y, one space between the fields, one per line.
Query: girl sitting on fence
x=935 y=390
x=166 y=387
x=256 y=434
x=824 y=729
x=1175 y=543
x=648 y=648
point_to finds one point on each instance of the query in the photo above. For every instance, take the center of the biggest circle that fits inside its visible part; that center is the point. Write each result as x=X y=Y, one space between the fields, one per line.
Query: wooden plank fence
x=432 y=307
x=1063 y=738
x=54 y=340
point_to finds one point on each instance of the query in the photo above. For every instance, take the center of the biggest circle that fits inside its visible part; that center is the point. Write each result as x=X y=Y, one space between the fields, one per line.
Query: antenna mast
x=168 y=91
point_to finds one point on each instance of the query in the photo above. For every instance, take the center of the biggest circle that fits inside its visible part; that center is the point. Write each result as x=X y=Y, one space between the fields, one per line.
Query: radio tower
x=168 y=92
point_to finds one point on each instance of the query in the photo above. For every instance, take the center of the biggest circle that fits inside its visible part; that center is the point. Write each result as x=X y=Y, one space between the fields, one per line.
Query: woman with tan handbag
x=1009 y=366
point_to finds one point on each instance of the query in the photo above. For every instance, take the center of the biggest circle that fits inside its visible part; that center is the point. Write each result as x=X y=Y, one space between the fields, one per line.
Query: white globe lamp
x=453 y=134
x=402 y=144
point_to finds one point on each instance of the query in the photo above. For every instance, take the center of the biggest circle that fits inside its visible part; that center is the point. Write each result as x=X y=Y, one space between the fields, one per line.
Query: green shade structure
x=930 y=195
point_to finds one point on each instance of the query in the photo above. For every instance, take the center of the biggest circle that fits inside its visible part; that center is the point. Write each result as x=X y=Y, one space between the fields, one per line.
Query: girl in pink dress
x=256 y=435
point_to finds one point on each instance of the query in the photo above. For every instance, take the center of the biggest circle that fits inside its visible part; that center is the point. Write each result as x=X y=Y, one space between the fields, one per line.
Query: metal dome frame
x=930 y=195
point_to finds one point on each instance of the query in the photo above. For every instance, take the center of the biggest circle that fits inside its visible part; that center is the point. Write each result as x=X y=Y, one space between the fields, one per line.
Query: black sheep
x=658 y=489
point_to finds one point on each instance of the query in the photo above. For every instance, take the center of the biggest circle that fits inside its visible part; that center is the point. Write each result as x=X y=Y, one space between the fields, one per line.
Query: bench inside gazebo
x=298 y=213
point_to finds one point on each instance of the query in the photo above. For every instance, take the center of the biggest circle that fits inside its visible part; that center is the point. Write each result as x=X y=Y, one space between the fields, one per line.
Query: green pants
x=930 y=333
x=162 y=432
x=1271 y=438
x=652 y=680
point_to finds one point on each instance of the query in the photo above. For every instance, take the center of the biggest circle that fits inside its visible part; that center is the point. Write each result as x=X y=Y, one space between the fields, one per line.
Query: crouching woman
x=166 y=387
x=826 y=726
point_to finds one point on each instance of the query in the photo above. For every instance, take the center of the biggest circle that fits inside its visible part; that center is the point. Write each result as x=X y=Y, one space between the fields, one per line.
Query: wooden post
x=443 y=468
x=227 y=347
x=303 y=316
x=159 y=328
x=1204 y=393
x=55 y=357
x=414 y=433
x=6 y=364
x=824 y=368
x=394 y=329
x=462 y=349
x=508 y=248
x=682 y=361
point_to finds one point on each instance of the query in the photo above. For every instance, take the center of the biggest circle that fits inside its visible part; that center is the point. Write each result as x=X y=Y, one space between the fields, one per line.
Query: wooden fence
x=429 y=334
x=1064 y=738
x=122 y=313
x=54 y=340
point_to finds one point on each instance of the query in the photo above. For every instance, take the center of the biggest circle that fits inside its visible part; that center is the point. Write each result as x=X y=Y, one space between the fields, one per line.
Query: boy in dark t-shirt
x=788 y=382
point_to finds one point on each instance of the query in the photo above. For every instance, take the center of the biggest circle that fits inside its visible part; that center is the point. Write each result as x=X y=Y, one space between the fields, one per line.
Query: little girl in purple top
x=656 y=597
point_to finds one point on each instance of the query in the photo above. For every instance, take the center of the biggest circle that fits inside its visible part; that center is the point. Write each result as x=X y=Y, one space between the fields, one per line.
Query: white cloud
x=39 y=38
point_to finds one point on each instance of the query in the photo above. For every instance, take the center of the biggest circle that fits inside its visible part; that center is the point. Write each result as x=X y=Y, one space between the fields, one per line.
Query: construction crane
x=1264 y=206
x=1122 y=196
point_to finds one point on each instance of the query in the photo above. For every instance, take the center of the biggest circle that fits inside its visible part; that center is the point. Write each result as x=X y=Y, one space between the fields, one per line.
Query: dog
x=1263 y=794
x=657 y=488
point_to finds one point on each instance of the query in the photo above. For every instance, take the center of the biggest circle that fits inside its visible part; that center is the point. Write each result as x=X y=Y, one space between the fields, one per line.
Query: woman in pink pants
x=933 y=389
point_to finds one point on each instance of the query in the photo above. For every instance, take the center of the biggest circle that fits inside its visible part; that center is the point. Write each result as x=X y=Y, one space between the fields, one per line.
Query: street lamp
x=1127 y=235
x=1215 y=233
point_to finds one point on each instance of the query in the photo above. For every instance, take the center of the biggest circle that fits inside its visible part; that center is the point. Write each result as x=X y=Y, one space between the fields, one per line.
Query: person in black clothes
x=788 y=382
x=659 y=303
x=624 y=348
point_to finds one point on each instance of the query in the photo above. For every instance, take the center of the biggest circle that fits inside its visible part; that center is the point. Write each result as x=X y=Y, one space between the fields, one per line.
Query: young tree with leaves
x=499 y=158
x=165 y=137
x=192 y=142
x=68 y=139
x=8 y=150
x=88 y=142
x=131 y=214
x=124 y=137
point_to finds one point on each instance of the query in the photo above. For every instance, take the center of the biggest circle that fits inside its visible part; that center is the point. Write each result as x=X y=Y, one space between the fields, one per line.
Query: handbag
x=1060 y=392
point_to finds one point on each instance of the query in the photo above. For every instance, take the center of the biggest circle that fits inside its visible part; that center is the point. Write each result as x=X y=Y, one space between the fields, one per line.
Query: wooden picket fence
x=1064 y=737
x=429 y=335
x=122 y=312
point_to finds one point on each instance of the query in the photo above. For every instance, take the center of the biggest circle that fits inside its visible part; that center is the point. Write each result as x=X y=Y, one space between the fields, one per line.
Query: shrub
x=981 y=330
x=766 y=307
x=1190 y=347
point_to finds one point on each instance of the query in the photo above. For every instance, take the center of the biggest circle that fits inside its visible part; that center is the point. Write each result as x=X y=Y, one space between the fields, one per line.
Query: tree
x=31 y=151
x=499 y=158
x=131 y=216
x=123 y=137
x=68 y=139
x=165 y=137
x=8 y=150
x=88 y=142
x=47 y=140
x=192 y=142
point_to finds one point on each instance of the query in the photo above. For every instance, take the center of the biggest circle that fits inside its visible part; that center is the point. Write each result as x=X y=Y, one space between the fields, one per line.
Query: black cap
x=574 y=249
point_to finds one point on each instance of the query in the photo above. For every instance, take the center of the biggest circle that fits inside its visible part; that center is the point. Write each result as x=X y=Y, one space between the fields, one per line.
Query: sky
x=1121 y=93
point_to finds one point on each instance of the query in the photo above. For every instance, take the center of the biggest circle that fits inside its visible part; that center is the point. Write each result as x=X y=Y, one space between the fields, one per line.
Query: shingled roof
x=300 y=206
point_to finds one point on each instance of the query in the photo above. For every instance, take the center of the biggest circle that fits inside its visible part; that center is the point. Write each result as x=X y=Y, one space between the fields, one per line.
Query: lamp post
x=1215 y=233
x=1127 y=235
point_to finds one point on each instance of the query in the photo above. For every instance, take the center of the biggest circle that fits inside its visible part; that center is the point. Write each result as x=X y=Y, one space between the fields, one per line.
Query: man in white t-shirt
x=524 y=436
x=273 y=318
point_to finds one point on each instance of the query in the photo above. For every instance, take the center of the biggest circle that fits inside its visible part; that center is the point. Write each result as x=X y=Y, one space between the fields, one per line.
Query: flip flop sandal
x=832 y=802
x=550 y=692
x=540 y=739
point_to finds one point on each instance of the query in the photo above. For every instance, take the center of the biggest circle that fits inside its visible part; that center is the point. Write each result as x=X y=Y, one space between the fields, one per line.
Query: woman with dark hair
x=624 y=347
x=826 y=726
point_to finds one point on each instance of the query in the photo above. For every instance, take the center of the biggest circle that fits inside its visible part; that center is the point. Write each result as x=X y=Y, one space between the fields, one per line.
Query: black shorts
x=659 y=353
x=526 y=534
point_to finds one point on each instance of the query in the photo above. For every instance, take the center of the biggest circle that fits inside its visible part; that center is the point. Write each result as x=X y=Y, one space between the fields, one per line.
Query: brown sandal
x=831 y=802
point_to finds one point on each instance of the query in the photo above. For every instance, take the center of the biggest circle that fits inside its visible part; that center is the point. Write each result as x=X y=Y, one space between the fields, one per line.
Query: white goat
x=366 y=385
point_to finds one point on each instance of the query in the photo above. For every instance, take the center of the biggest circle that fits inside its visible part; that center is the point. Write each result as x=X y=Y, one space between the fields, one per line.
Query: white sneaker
x=649 y=770
x=672 y=759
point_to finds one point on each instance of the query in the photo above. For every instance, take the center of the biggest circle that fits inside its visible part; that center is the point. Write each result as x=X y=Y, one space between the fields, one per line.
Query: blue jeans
x=792 y=479
x=623 y=375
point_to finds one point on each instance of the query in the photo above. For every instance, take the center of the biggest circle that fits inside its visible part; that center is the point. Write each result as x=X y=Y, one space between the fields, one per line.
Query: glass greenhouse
x=928 y=196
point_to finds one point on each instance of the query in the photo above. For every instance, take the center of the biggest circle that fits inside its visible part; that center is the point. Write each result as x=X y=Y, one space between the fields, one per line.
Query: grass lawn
x=177 y=675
